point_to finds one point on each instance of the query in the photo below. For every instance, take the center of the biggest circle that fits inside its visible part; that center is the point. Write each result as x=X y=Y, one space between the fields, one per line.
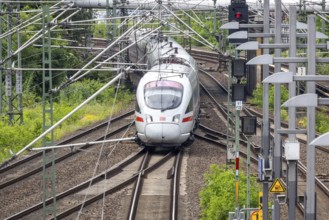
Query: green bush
x=257 y=98
x=217 y=196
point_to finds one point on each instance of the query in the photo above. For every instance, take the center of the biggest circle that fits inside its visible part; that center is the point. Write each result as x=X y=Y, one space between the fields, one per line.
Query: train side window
x=190 y=106
x=137 y=108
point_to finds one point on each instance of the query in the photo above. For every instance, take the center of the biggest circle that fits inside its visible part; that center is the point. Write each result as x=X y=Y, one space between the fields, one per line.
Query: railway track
x=77 y=164
x=157 y=195
x=35 y=161
x=133 y=170
x=215 y=58
x=322 y=189
x=34 y=211
x=211 y=135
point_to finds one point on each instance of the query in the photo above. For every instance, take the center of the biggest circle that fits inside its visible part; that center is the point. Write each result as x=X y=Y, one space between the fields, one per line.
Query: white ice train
x=167 y=107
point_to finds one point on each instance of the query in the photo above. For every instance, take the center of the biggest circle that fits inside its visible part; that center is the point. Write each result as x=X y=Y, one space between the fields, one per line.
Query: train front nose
x=168 y=133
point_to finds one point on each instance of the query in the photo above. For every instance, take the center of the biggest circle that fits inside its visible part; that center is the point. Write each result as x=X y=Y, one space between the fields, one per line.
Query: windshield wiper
x=169 y=107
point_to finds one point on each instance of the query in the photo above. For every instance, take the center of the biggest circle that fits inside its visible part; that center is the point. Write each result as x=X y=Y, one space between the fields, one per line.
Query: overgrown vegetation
x=14 y=137
x=322 y=119
x=257 y=98
x=217 y=196
x=17 y=136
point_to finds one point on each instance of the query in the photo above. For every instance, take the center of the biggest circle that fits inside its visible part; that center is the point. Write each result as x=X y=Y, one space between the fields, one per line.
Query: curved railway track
x=35 y=161
x=133 y=170
x=212 y=57
x=34 y=211
x=322 y=189
x=204 y=133
x=74 y=167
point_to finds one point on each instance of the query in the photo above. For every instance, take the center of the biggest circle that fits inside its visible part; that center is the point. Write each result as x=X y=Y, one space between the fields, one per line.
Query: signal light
x=238 y=92
x=238 y=68
x=238 y=11
x=238 y=15
x=249 y=125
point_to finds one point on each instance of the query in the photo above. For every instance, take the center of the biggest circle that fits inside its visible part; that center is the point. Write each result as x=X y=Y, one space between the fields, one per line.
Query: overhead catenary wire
x=191 y=29
x=71 y=113
x=35 y=37
x=100 y=153
x=38 y=35
x=35 y=2
x=85 y=22
x=25 y=24
x=100 y=54
x=189 y=35
x=61 y=69
x=83 y=144
x=111 y=57
x=197 y=21
x=72 y=47
x=129 y=18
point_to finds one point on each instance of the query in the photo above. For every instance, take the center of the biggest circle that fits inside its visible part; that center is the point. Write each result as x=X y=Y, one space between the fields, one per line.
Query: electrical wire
x=100 y=153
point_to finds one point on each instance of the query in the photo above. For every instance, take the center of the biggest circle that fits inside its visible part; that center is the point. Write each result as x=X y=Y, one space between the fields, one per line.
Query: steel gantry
x=11 y=108
x=49 y=173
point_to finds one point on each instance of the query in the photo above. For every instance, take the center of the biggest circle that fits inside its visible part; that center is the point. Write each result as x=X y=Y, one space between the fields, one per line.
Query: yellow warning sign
x=277 y=186
x=257 y=215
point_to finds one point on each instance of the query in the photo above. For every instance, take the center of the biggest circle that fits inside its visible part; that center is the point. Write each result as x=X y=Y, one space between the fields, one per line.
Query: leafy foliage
x=322 y=119
x=257 y=98
x=217 y=197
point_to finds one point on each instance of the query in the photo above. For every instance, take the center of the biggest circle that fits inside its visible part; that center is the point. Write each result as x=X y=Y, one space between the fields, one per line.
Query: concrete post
x=292 y=164
x=266 y=125
x=310 y=198
x=277 y=107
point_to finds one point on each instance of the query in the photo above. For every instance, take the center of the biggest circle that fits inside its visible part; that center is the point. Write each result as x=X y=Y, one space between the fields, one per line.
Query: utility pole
x=19 y=76
x=292 y=164
x=48 y=174
x=14 y=108
x=266 y=124
x=1 y=65
x=8 y=77
x=310 y=86
x=107 y=22
x=323 y=22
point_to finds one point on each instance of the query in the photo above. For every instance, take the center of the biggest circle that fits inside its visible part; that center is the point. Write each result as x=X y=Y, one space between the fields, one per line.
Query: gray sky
x=271 y=1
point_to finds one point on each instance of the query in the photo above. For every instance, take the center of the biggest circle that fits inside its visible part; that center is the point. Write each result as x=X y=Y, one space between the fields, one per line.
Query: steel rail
x=175 y=185
x=301 y=167
x=104 y=124
x=59 y=159
x=107 y=174
x=217 y=142
x=116 y=188
x=138 y=187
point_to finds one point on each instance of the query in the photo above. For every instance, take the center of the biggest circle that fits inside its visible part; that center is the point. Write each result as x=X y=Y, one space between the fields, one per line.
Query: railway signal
x=238 y=11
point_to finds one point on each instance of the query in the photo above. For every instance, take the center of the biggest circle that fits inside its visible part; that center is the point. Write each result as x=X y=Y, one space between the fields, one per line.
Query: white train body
x=167 y=95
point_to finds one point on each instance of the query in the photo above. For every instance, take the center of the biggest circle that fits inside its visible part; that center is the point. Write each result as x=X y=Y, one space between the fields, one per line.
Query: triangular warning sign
x=277 y=186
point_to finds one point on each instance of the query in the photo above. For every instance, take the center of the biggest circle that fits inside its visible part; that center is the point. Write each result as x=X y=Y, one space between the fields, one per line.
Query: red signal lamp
x=238 y=15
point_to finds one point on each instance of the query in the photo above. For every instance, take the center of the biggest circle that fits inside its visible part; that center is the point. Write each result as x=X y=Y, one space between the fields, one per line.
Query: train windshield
x=163 y=94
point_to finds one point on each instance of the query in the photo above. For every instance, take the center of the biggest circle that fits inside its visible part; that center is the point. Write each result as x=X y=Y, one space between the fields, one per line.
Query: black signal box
x=238 y=12
x=238 y=68
x=249 y=125
x=238 y=92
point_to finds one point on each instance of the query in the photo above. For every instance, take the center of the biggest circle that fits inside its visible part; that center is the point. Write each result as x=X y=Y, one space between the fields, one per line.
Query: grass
x=13 y=138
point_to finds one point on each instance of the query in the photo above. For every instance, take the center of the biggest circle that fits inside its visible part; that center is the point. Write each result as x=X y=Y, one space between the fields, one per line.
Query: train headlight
x=176 y=118
x=148 y=118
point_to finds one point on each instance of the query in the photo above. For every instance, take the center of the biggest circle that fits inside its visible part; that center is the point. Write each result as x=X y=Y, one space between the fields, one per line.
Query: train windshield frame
x=163 y=94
